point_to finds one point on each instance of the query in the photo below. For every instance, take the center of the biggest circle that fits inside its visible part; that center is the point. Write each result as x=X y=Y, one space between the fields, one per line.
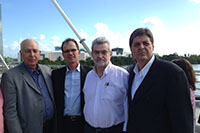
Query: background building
x=54 y=55
x=1 y=38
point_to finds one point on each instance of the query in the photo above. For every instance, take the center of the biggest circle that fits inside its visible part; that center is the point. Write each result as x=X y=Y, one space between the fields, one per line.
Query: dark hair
x=140 y=32
x=188 y=69
x=67 y=40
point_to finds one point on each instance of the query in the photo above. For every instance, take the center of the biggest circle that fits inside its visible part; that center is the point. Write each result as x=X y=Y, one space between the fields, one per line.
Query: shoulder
x=59 y=70
x=44 y=67
x=130 y=68
x=85 y=68
x=117 y=69
x=166 y=65
x=14 y=70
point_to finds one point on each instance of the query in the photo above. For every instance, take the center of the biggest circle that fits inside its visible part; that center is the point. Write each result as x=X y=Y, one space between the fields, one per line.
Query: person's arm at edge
x=10 y=103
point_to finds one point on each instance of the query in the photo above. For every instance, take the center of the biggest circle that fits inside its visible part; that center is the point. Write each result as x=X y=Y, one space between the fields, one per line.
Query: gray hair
x=100 y=40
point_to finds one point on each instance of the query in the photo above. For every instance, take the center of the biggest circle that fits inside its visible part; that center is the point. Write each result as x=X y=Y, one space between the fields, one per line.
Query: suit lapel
x=146 y=84
x=61 y=85
x=130 y=82
x=27 y=77
x=47 y=80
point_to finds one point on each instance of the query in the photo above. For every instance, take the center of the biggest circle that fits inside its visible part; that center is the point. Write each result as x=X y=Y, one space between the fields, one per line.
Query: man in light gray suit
x=28 y=94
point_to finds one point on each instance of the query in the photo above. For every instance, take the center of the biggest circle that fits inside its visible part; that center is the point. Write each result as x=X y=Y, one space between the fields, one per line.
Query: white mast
x=71 y=26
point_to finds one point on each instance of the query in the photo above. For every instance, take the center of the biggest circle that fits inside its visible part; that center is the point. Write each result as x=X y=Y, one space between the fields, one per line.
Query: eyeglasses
x=103 y=52
x=28 y=51
x=69 y=50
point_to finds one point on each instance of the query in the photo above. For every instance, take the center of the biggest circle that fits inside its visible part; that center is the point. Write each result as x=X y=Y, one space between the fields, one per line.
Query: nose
x=100 y=55
x=32 y=53
x=141 y=45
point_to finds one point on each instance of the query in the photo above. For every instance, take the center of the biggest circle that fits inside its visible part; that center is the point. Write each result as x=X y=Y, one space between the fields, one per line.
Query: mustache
x=100 y=59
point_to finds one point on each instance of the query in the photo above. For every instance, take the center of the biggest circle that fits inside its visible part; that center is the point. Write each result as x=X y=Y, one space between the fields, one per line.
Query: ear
x=110 y=53
x=20 y=53
x=153 y=46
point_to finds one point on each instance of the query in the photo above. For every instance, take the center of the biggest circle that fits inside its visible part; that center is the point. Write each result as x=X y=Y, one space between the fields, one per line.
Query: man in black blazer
x=159 y=97
x=68 y=82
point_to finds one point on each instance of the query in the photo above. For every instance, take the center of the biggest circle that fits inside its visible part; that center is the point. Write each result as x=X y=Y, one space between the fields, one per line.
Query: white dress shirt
x=106 y=97
x=140 y=75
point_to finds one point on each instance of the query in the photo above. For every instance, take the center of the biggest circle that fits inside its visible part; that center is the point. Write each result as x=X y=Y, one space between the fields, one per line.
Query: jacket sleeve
x=10 y=104
x=179 y=104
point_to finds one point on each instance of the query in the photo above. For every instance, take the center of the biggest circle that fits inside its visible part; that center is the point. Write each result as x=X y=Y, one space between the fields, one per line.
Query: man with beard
x=105 y=92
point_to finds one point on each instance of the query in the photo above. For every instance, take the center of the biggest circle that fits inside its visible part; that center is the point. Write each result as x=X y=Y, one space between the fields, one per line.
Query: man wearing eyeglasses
x=105 y=92
x=68 y=82
x=27 y=89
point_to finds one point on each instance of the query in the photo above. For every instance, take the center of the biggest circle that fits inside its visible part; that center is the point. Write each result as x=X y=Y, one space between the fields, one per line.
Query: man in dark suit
x=159 y=98
x=28 y=94
x=68 y=82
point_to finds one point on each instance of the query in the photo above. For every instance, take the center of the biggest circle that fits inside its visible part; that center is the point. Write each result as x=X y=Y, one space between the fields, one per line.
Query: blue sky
x=174 y=23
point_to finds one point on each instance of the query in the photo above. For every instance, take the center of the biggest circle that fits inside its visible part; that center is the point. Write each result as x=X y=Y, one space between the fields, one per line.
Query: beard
x=101 y=62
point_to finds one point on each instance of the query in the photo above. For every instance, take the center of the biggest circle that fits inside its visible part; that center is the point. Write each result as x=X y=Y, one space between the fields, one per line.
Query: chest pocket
x=111 y=92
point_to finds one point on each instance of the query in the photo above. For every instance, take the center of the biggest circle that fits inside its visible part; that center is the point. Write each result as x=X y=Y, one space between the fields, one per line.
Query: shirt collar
x=145 y=69
x=78 y=68
x=106 y=70
x=30 y=70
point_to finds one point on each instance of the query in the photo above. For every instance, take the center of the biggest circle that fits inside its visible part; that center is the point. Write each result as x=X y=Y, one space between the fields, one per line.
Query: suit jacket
x=1 y=113
x=23 y=102
x=58 y=79
x=162 y=102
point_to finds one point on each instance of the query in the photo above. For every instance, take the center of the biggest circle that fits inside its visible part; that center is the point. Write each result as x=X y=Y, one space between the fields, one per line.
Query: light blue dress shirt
x=72 y=92
x=48 y=109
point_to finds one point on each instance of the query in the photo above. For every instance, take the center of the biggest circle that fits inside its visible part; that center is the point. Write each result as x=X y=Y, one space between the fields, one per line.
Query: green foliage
x=123 y=61
x=193 y=59
x=87 y=62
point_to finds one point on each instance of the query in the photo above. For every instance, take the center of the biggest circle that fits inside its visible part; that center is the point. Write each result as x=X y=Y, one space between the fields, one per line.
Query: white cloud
x=116 y=39
x=55 y=38
x=168 y=41
x=44 y=46
x=12 y=50
x=152 y=22
x=196 y=1
x=42 y=36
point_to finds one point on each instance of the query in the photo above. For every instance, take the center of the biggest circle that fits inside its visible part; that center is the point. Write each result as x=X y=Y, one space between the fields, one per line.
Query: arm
x=1 y=113
x=10 y=104
x=126 y=102
x=179 y=104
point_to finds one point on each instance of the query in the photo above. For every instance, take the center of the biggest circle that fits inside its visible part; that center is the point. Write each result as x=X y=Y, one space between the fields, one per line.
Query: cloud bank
x=167 y=40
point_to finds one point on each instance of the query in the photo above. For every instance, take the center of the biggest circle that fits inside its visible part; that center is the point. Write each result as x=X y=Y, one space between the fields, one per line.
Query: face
x=30 y=53
x=71 y=53
x=101 y=55
x=142 y=49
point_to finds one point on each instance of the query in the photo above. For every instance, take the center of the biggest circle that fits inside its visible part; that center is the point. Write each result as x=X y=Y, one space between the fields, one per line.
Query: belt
x=73 y=118
x=112 y=128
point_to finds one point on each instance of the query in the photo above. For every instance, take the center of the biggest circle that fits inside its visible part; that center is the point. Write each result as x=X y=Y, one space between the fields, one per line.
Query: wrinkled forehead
x=29 y=44
x=101 y=46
